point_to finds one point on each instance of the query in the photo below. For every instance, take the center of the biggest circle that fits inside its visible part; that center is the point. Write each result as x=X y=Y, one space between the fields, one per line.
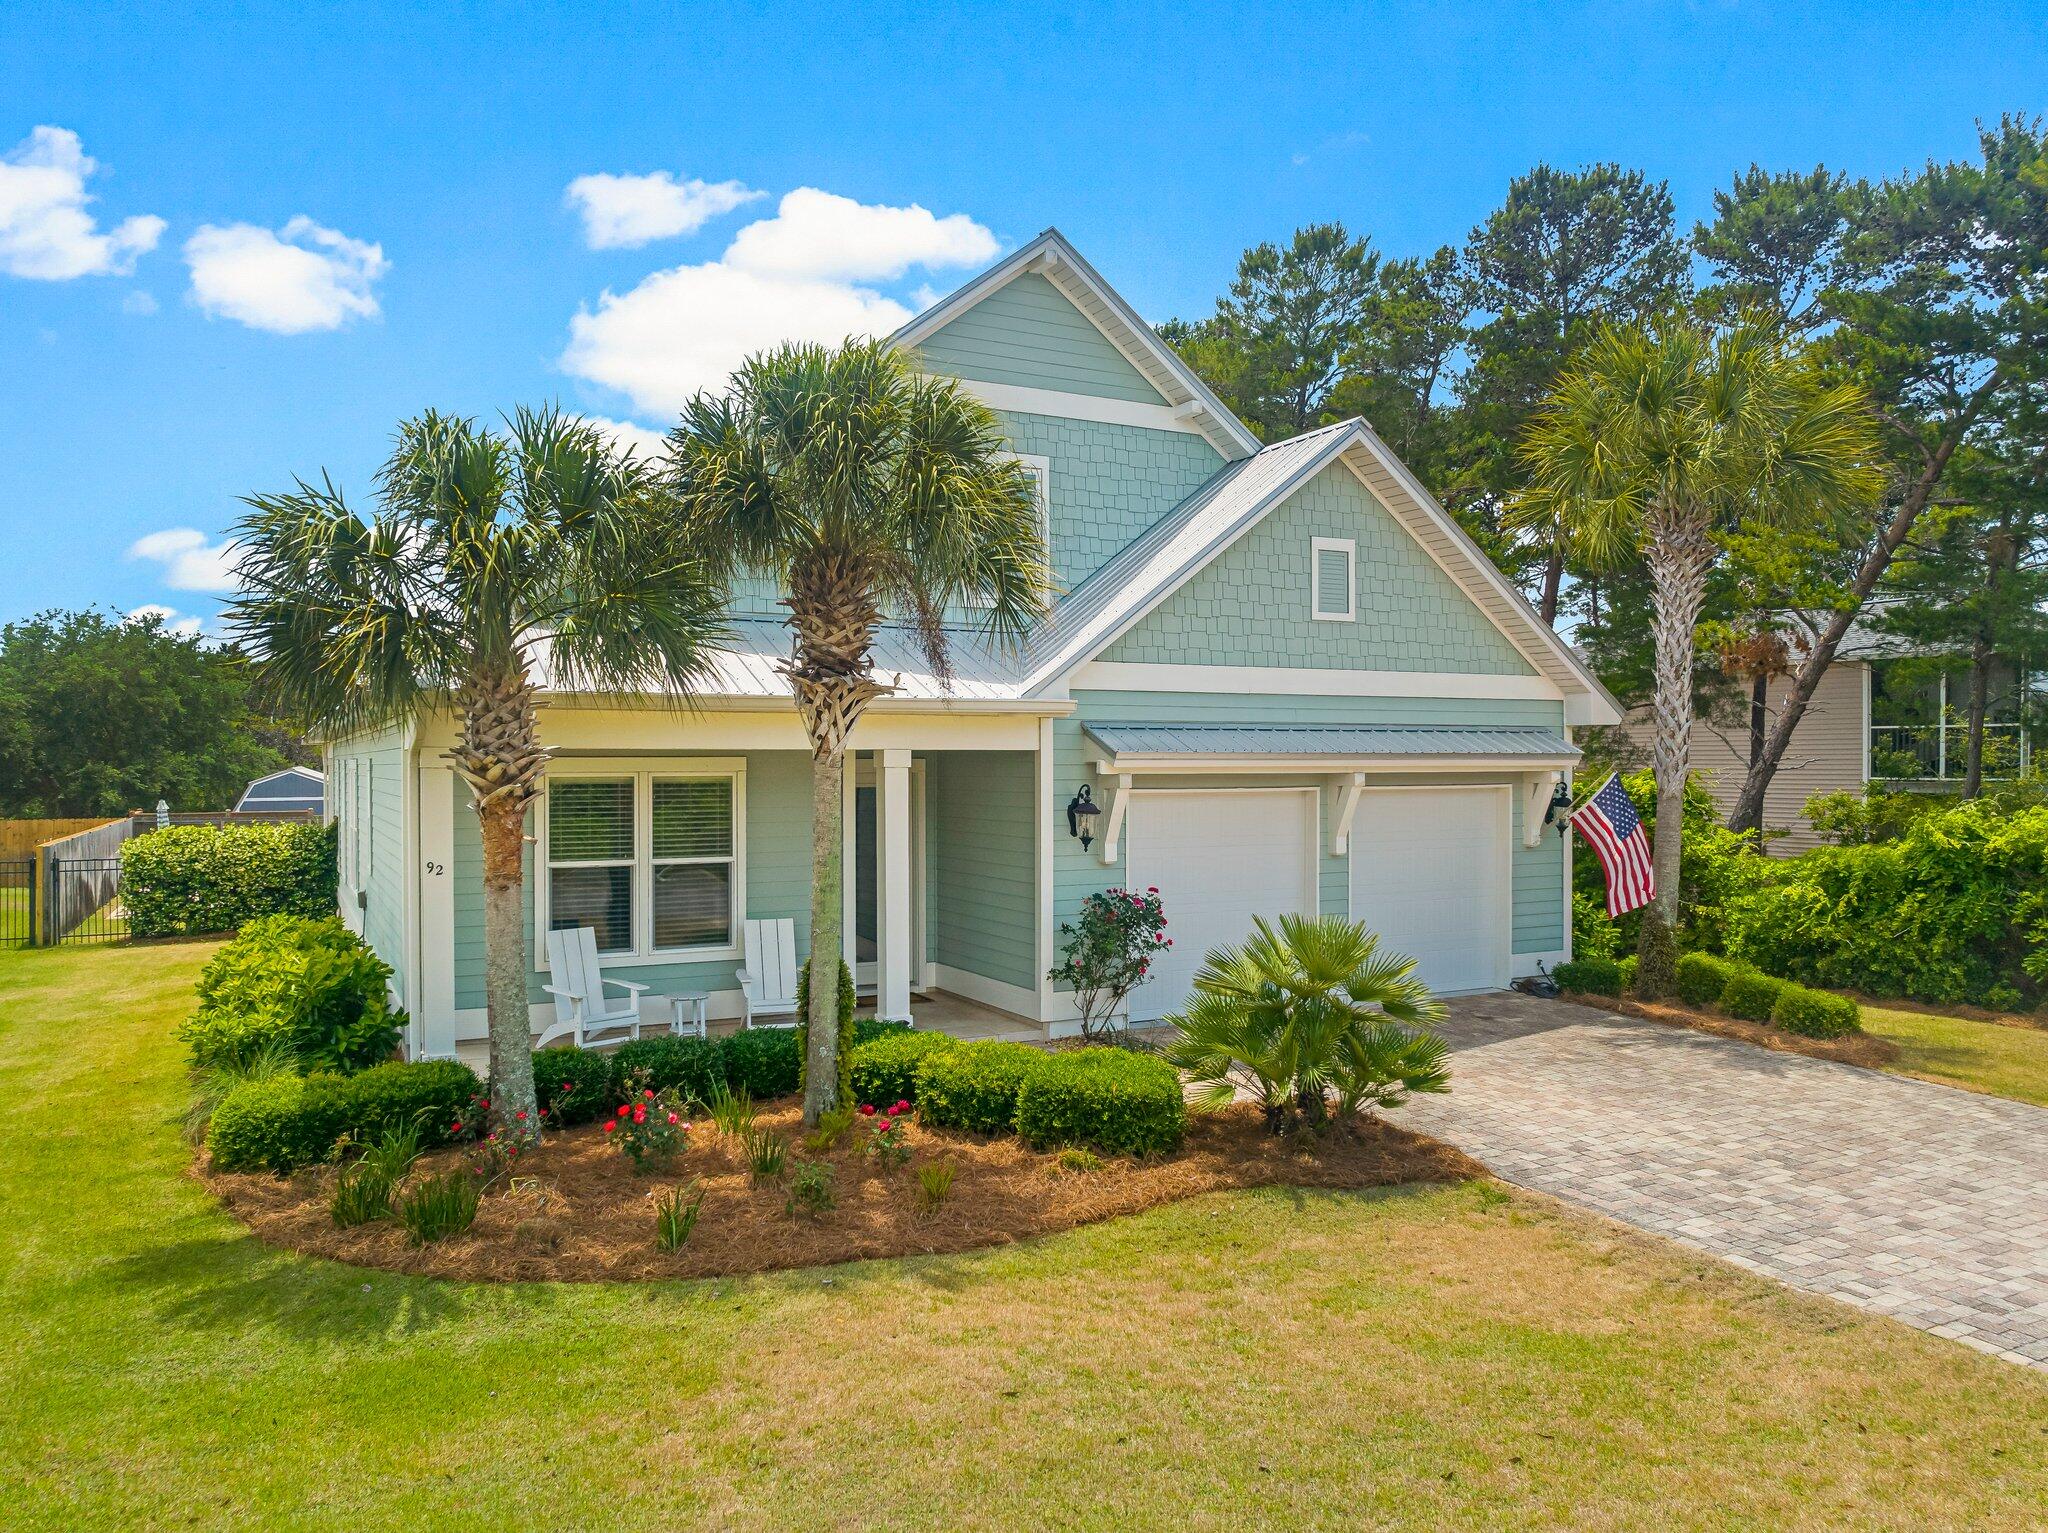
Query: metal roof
x=1336 y=740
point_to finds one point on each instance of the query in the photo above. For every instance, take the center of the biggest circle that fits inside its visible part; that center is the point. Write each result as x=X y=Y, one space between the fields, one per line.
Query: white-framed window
x=653 y=860
x=1333 y=580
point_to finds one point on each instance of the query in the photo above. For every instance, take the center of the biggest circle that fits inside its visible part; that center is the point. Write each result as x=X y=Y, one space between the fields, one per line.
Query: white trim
x=1348 y=547
x=1323 y=766
x=1136 y=676
x=1536 y=794
x=1867 y=672
x=1022 y=399
x=1113 y=822
x=1047 y=766
x=979 y=988
x=642 y=772
x=1351 y=788
x=434 y=868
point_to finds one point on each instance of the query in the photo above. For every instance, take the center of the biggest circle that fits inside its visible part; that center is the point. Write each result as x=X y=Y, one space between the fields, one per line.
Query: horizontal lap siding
x=1537 y=876
x=985 y=878
x=380 y=771
x=1028 y=335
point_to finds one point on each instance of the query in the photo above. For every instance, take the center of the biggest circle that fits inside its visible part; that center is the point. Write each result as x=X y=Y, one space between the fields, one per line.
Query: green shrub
x=436 y=1207
x=290 y=1121
x=1078 y=1160
x=934 y=1184
x=359 y=1196
x=693 y=1068
x=1108 y=1099
x=1702 y=977
x=1948 y=908
x=1594 y=934
x=1716 y=867
x=278 y=1124
x=1815 y=1013
x=810 y=1189
x=974 y=1086
x=847 y=1002
x=313 y=987
x=574 y=1085
x=763 y=1061
x=1589 y=976
x=191 y=879
x=1750 y=994
x=1628 y=972
x=675 y=1216
x=885 y=1069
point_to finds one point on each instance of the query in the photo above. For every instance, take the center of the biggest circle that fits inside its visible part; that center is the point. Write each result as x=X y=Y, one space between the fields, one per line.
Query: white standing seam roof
x=1332 y=740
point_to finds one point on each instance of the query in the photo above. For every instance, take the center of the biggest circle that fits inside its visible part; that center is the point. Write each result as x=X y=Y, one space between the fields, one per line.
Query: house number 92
x=437 y=868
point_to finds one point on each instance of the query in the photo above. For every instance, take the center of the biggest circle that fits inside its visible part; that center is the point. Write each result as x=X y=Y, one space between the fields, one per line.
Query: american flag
x=1612 y=828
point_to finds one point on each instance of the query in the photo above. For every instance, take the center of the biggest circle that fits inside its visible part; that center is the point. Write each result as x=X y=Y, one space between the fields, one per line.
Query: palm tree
x=494 y=565
x=1304 y=1012
x=1659 y=440
x=863 y=487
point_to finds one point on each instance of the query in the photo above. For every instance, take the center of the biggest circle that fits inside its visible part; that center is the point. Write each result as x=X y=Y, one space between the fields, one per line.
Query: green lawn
x=1457 y=1357
x=1994 y=1057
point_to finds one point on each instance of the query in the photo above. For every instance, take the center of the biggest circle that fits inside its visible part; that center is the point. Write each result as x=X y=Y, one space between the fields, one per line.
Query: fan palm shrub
x=1311 y=1019
x=496 y=566
x=1660 y=440
x=869 y=492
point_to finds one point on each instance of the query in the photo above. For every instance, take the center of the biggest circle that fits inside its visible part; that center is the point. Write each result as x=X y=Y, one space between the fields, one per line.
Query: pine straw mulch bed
x=577 y=1212
x=1862 y=1049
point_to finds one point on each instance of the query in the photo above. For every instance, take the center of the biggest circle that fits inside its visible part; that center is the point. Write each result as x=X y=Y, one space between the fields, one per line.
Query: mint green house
x=1281 y=674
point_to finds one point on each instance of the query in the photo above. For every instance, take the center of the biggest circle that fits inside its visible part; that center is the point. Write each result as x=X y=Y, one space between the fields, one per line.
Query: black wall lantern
x=1081 y=813
x=1560 y=803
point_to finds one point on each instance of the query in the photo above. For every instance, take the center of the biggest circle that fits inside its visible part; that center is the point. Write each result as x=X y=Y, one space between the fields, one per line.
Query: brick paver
x=1916 y=1200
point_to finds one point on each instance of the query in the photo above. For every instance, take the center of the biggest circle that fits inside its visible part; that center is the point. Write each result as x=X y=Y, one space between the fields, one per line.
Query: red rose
x=867 y=1109
x=648 y=1094
x=520 y=1116
x=609 y=1127
x=672 y=1118
x=623 y=1109
x=455 y=1128
x=639 y=1115
x=901 y=1107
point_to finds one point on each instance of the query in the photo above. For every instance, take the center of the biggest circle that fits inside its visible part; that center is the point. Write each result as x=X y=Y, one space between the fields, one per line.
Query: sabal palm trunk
x=833 y=611
x=500 y=757
x=1680 y=552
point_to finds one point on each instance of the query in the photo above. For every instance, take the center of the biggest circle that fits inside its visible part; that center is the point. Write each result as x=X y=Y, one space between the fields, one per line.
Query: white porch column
x=892 y=866
x=849 y=874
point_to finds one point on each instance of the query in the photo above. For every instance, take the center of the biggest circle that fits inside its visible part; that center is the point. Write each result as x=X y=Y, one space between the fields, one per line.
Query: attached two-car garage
x=1428 y=870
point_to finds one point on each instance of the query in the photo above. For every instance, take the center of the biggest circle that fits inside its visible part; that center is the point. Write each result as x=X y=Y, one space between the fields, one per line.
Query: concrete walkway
x=1912 y=1199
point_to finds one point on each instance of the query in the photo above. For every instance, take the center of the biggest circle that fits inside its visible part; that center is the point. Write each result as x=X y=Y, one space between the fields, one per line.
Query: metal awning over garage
x=1151 y=748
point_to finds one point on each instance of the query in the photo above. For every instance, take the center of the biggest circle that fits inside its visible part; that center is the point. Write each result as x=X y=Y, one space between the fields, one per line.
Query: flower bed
x=578 y=1212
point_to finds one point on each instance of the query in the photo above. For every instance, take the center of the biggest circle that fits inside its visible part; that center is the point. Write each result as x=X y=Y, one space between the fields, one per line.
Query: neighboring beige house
x=1883 y=712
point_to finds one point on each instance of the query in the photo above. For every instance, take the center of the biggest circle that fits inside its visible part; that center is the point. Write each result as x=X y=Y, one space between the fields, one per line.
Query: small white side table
x=692 y=1015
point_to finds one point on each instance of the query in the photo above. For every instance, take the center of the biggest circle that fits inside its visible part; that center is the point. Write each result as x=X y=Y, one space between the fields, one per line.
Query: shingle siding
x=1026 y=333
x=1252 y=604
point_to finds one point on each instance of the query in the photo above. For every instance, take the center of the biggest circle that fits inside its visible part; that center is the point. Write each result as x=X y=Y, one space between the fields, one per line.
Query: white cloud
x=190 y=561
x=624 y=211
x=820 y=234
x=183 y=627
x=299 y=278
x=809 y=273
x=644 y=442
x=45 y=230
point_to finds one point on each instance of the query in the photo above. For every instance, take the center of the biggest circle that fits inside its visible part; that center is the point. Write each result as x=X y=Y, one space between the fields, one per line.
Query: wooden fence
x=80 y=877
x=20 y=838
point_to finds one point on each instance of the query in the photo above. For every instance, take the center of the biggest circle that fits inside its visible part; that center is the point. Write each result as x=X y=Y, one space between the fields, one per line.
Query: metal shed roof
x=1517 y=742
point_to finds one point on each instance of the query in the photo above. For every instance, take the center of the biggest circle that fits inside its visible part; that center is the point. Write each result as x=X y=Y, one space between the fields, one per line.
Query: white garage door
x=1429 y=873
x=1219 y=859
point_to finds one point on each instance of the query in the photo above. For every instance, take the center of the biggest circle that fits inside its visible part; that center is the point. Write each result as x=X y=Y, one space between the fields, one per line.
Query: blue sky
x=258 y=236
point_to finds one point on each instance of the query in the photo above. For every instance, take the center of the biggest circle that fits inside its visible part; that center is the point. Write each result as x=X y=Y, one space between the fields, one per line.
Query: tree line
x=1924 y=292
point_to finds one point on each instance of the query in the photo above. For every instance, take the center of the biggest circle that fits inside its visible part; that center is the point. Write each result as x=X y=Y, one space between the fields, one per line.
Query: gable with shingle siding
x=1251 y=605
x=1029 y=335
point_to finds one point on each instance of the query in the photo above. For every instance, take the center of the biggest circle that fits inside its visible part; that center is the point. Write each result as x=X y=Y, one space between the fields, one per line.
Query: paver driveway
x=1921 y=1201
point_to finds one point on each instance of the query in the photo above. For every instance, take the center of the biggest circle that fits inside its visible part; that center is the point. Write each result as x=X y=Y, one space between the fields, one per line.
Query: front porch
x=935 y=1011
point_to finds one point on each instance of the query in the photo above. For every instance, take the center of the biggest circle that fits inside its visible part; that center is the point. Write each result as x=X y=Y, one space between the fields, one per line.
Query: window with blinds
x=649 y=861
x=590 y=859
x=692 y=861
x=1333 y=580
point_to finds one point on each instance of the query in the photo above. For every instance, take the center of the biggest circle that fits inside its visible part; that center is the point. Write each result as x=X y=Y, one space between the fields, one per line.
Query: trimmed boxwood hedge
x=288 y=1121
x=1815 y=1013
x=975 y=1085
x=1106 y=1099
x=885 y=1068
x=188 y=880
x=1702 y=977
x=1589 y=976
x=1750 y=995
x=313 y=986
x=574 y=1085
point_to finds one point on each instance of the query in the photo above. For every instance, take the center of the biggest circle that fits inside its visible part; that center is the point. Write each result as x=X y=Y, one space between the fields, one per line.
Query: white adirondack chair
x=769 y=979
x=579 y=989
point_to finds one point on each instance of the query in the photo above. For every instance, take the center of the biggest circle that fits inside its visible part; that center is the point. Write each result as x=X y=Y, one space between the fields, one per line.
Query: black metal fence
x=17 y=901
x=82 y=900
